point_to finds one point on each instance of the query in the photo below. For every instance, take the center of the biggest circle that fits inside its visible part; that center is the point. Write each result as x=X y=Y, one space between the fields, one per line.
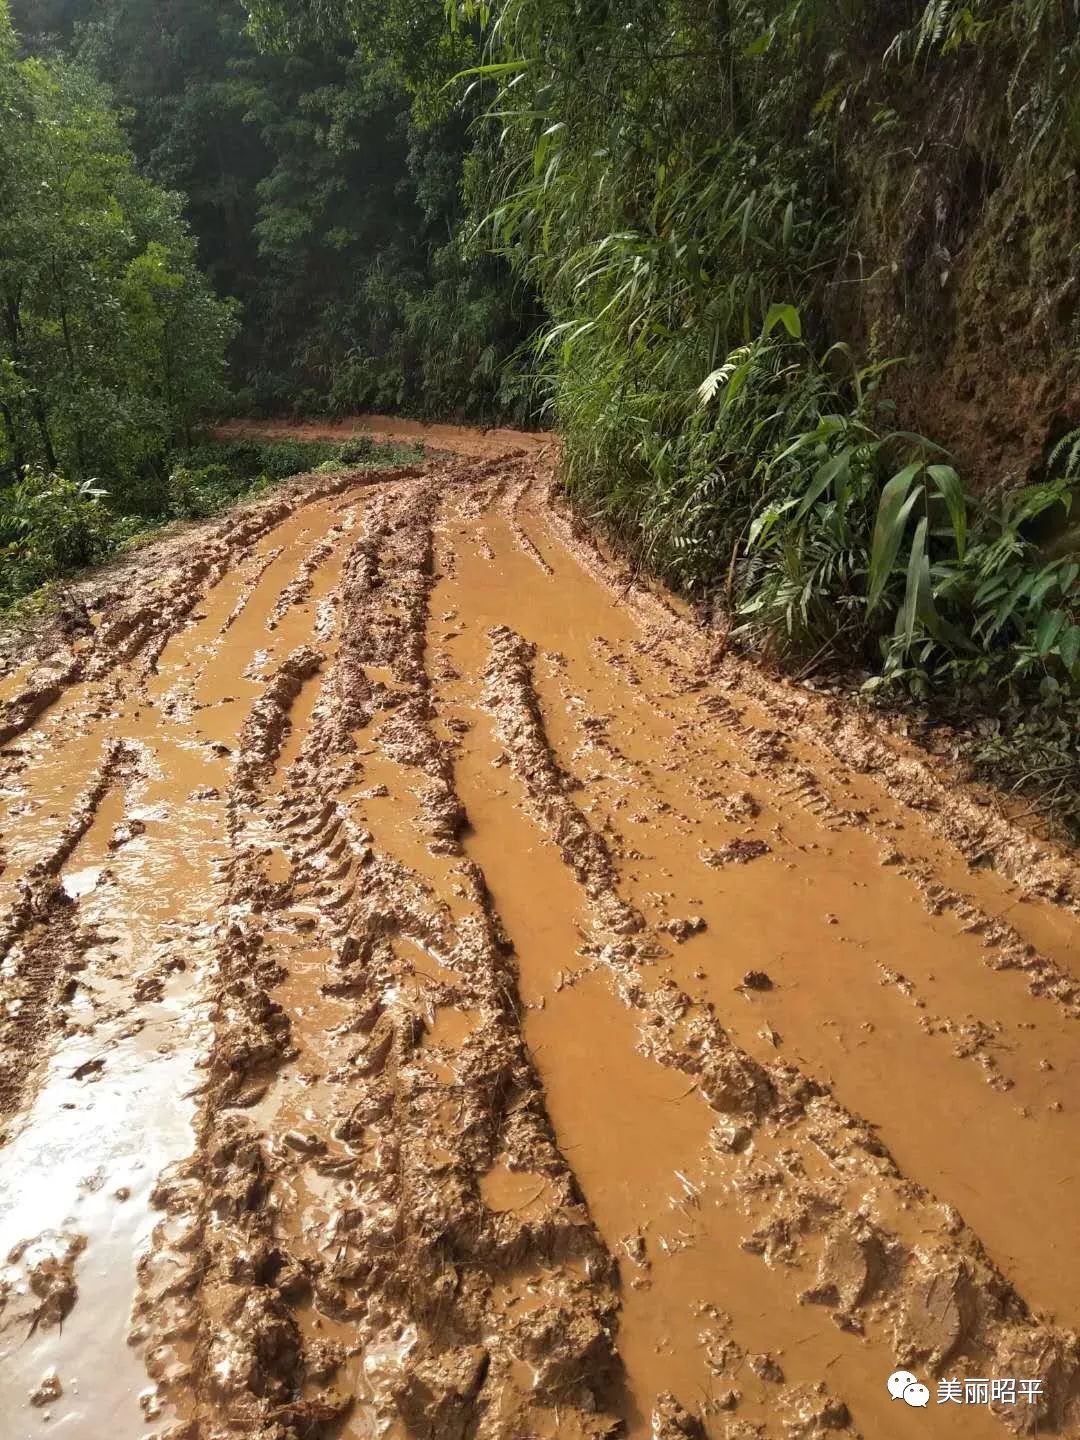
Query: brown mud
x=442 y=996
x=455 y=439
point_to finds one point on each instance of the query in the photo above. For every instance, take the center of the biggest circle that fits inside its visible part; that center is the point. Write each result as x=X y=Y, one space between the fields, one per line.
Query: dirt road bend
x=442 y=996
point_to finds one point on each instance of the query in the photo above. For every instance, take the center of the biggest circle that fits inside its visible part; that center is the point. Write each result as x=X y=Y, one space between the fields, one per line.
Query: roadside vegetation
x=112 y=343
x=52 y=527
x=689 y=188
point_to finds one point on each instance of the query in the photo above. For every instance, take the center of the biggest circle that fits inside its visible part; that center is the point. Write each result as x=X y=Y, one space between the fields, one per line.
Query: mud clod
x=682 y=928
x=47 y=1391
x=736 y=852
x=672 y=1421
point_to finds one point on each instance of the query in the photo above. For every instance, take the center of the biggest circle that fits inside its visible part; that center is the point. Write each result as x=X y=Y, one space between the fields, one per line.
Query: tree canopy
x=111 y=340
x=319 y=203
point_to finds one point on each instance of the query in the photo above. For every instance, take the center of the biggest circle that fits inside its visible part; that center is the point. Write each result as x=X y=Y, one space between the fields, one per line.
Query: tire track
x=530 y=990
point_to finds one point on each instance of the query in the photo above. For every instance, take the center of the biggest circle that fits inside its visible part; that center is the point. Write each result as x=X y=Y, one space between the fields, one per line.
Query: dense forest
x=798 y=282
x=317 y=204
x=192 y=227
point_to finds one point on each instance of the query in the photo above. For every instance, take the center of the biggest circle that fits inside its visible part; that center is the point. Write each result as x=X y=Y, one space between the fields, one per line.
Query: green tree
x=111 y=343
x=318 y=202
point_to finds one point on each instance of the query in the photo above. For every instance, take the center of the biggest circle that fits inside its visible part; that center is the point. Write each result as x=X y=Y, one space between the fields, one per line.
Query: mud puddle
x=442 y=998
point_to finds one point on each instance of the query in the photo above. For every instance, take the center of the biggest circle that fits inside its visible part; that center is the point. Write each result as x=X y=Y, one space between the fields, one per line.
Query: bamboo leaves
x=898 y=499
x=947 y=483
x=897 y=502
x=738 y=367
x=785 y=315
x=918 y=597
x=833 y=472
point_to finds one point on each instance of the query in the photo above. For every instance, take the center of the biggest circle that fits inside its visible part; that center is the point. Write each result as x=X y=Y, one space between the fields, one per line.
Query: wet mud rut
x=442 y=996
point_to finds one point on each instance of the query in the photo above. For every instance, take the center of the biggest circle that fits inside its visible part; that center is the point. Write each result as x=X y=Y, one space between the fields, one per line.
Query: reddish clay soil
x=455 y=439
x=443 y=996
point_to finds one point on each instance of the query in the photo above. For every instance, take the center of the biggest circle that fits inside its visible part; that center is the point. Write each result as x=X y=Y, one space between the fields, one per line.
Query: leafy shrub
x=281 y=458
x=989 y=609
x=357 y=451
x=832 y=537
x=187 y=490
x=49 y=526
x=867 y=539
x=241 y=457
x=195 y=493
x=250 y=458
x=1032 y=752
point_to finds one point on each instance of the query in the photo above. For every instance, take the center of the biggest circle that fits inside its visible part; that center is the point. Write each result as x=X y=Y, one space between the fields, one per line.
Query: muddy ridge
x=467 y=1003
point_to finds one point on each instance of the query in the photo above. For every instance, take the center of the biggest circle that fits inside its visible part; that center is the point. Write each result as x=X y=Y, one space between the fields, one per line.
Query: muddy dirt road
x=443 y=997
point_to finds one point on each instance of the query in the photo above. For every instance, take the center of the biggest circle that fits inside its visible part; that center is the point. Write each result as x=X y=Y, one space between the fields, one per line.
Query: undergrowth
x=832 y=539
x=1031 y=752
x=51 y=527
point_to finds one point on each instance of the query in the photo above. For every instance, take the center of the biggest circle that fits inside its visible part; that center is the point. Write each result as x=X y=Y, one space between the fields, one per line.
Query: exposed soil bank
x=440 y=999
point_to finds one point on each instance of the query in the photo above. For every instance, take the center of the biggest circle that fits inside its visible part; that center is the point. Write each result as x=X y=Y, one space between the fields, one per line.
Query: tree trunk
x=14 y=333
x=73 y=370
x=14 y=440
